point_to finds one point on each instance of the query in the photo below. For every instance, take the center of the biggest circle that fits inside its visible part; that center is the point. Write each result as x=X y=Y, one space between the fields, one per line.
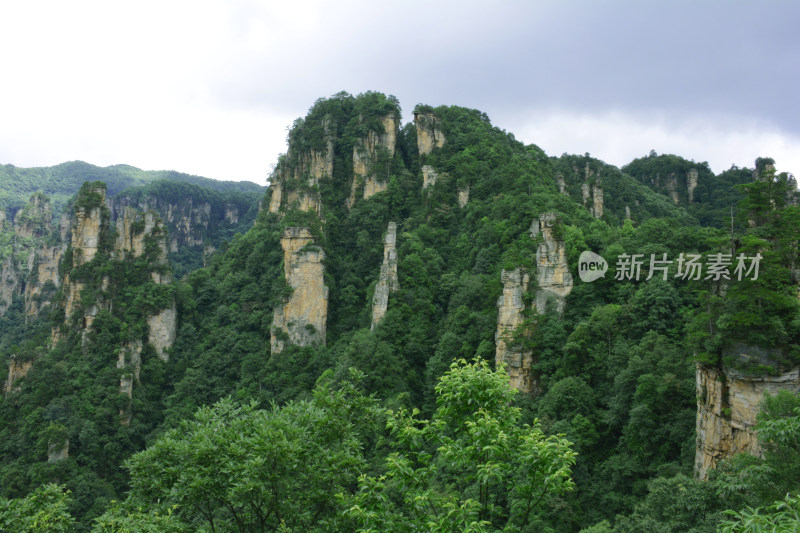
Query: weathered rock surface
x=387 y=282
x=295 y=181
x=429 y=177
x=367 y=152
x=553 y=278
x=510 y=315
x=302 y=319
x=463 y=196
x=728 y=403
x=16 y=370
x=429 y=132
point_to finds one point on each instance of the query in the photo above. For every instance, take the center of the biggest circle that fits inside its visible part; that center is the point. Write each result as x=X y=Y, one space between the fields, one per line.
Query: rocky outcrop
x=369 y=153
x=133 y=227
x=162 y=328
x=728 y=403
x=510 y=316
x=553 y=278
x=463 y=196
x=17 y=370
x=387 y=282
x=294 y=185
x=44 y=279
x=302 y=318
x=86 y=226
x=429 y=177
x=429 y=132
x=691 y=183
x=58 y=451
x=9 y=284
x=129 y=361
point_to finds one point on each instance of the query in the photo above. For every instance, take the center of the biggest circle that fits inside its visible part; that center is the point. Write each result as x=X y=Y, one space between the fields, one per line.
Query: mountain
x=283 y=381
x=62 y=181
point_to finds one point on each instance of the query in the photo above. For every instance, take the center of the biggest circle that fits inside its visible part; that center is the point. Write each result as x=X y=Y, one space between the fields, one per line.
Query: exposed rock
x=44 y=279
x=130 y=361
x=9 y=284
x=366 y=153
x=627 y=212
x=302 y=319
x=16 y=370
x=162 y=330
x=34 y=220
x=387 y=282
x=58 y=451
x=133 y=227
x=727 y=406
x=591 y=191
x=231 y=214
x=294 y=184
x=561 y=184
x=510 y=315
x=671 y=184
x=691 y=183
x=86 y=227
x=463 y=196
x=553 y=278
x=428 y=177
x=429 y=132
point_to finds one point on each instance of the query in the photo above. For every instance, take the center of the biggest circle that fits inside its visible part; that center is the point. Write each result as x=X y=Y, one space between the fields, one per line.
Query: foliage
x=472 y=467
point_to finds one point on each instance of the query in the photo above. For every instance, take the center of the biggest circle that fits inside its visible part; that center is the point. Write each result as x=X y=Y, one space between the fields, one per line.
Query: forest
x=400 y=341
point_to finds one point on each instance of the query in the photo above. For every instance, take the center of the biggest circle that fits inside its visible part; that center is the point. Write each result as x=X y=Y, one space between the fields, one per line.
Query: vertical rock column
x=553 y=278
x=302 y=319
x=387 y=283
x=510 y=314
x=366 y=153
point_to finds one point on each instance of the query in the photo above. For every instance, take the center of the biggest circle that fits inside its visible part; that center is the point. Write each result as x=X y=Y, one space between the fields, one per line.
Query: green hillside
x=62 y=181
x=495 y=390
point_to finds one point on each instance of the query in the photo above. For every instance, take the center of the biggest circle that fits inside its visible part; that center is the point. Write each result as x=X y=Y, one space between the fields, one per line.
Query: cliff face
x=429 y=132
x=302 y=318
x=371 y=157
x=31 y=268
x=296 y=180
x=16 y=370
x=553 y=278
x=387 y=282
x=728 y=403
x=510 y=314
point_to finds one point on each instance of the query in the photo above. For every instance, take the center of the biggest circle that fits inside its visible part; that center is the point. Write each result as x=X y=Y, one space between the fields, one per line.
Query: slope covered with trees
x=266 y=416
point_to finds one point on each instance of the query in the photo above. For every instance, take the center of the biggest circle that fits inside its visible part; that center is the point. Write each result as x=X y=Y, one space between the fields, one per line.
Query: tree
x=44 y=510
x=472 y=467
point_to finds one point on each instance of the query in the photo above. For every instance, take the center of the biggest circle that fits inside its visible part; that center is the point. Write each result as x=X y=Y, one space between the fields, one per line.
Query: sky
x=210 y=87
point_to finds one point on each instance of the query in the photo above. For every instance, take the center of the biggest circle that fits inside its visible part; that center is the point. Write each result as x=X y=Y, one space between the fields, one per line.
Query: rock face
x=129 y=360
x=9 y=285
x=691 y=183
x=86 y=226
x=429 y=132
x=429 y=177
x=369 y=153
x=463 y=196
x=302 y=319
x=58 y=451
x=294 y=184
x=553 y=278
x=16 y=370
x=387 y=283
x=727 y=406
x=510 y=315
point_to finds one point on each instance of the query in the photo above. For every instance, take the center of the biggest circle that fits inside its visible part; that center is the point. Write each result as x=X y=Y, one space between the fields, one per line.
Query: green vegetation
x=60 y=182
x=387 y=428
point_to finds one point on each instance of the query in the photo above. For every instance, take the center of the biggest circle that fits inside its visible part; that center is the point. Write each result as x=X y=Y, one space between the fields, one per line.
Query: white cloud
x=618 y=137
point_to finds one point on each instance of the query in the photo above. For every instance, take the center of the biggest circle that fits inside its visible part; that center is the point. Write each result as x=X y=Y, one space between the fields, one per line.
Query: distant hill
x=60 y=182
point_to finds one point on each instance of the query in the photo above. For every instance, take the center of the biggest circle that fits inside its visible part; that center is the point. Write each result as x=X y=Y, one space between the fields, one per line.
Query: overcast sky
x=209 y=87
